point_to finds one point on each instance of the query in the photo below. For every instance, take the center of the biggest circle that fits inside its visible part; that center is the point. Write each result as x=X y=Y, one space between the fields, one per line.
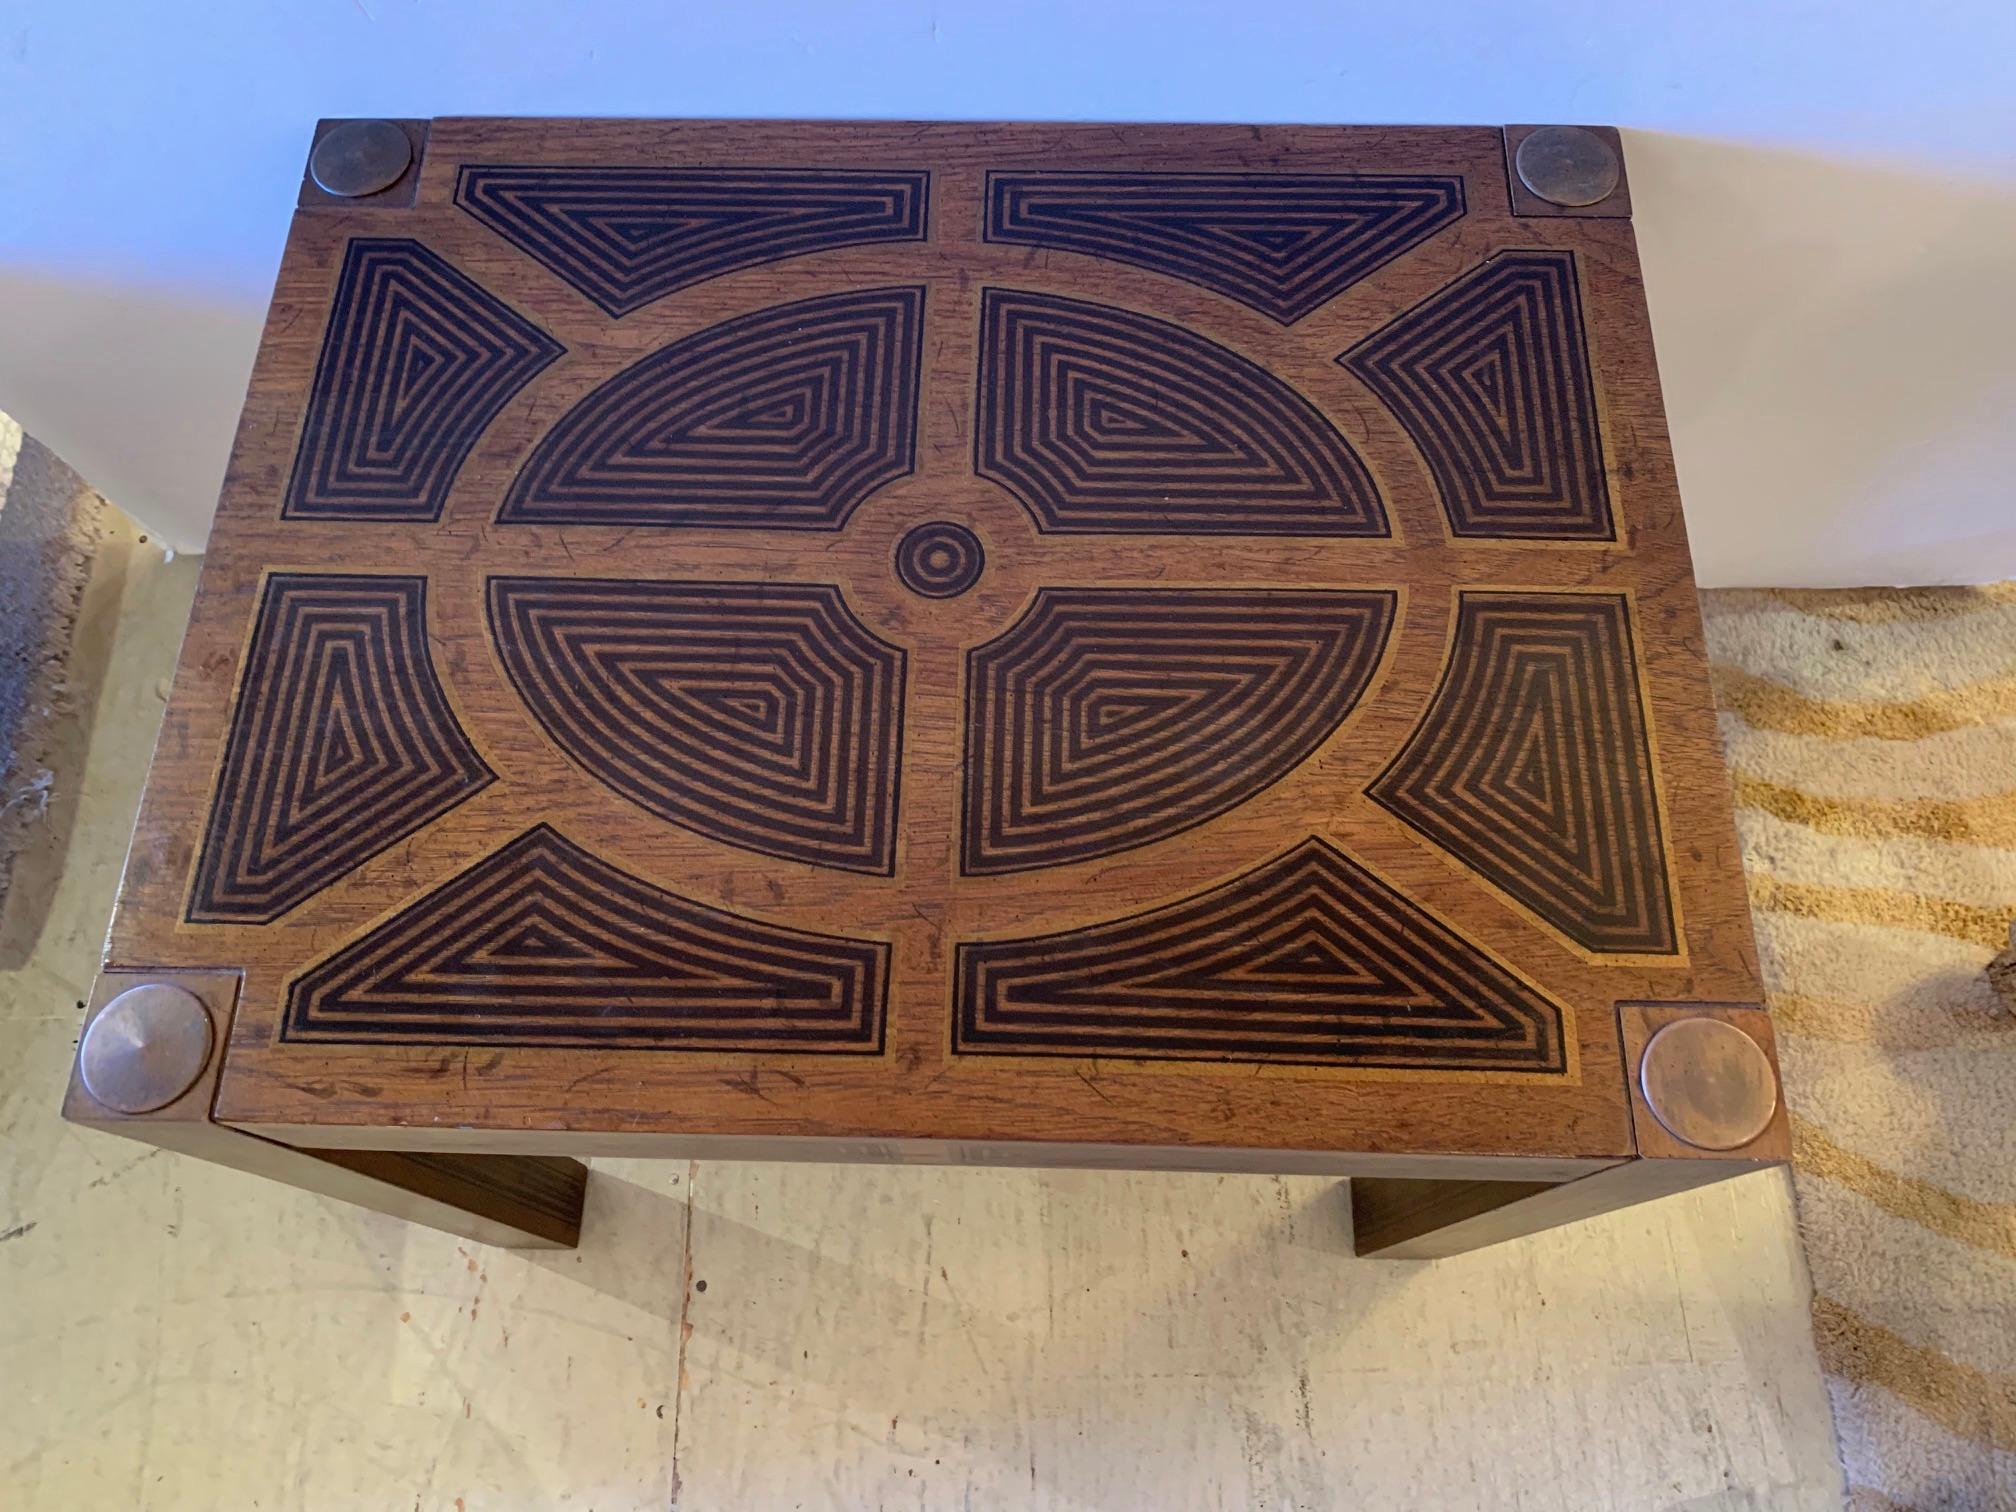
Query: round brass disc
x=359 y=158
x=146 y=1049
x=1567 y=165
x=1709 y=1083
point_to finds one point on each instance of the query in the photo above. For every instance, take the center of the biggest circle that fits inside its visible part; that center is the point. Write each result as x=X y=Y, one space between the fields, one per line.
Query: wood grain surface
x=1043 y=636
x=514 y=1201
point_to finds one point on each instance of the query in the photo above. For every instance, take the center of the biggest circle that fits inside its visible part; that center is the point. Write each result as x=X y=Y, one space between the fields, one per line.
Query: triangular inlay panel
x=342 y=743
x=543 y=943
x=1533 y=767
x=1282 y=243
x=626 y=236
x=1306 y=958
x=416 y=362
x=1491 y=377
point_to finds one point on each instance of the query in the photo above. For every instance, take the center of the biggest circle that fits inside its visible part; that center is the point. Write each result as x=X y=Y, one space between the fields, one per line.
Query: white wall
x=1826 y=208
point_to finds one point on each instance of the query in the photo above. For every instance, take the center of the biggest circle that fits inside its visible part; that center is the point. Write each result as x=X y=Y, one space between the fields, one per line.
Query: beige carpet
x=1872 y=738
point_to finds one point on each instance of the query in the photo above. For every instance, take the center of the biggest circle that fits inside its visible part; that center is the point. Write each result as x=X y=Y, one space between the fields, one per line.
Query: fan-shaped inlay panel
x=1307 y=958
x=627 y=236
x=1533 y=767
x=763 y=715
x=341 y=745
x=416 y=362
x=1100 y=419
x=1283 y=243
x=784 y=419
x=1107 y=718
x=543 y=943
x=1491 y=378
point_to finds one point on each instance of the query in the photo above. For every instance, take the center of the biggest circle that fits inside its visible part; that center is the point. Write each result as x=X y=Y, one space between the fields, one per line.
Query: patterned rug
x=1872 y=738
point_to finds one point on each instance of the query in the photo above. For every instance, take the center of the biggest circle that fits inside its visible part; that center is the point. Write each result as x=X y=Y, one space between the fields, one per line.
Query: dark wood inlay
x=939 y=559
x=416 y=362
x=546 y=944
x=342 y=744
x=1308 y=957
x=1108 y=718
x=1491 y=378
x=1283 y=243
x=765 y=715
x=1103 y=419
x=1307 y=756
x=1533 y=767
x=626 y=236
x=786 y=418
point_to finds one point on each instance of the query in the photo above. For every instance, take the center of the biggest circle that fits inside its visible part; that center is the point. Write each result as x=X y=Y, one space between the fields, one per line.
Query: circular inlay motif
x=939 y=560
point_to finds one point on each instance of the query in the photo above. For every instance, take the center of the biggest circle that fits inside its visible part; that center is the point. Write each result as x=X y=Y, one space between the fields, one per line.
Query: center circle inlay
x=939 y=560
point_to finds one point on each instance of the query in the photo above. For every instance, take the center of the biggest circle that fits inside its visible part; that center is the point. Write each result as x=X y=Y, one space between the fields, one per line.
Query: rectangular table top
x=1173 y=637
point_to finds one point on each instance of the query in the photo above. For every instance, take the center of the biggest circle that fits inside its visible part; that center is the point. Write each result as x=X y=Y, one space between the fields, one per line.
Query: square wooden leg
x=147 y=1069
x=1703 y=1109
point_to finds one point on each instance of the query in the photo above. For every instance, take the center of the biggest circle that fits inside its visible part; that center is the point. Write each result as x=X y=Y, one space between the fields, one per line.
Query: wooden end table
x=1156 y=647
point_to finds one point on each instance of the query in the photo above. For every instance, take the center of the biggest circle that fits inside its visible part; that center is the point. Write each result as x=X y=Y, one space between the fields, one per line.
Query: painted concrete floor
x=177 y=1336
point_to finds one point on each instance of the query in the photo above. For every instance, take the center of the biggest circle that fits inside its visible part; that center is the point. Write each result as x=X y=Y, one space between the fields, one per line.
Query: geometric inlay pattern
x=341 y=745
x=1491 y=378
x=1107 y=718
x=1307 y=958
x=625 y=236
x=416 y=361
x=785 y=418
x=939 y=559
x=763 y=715
x=1283 y=243
x=1532 y=766
x=1101 y=419
x=543 y=943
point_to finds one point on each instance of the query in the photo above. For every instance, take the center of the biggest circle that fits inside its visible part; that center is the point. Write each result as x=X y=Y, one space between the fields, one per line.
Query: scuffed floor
x=756 y=1336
